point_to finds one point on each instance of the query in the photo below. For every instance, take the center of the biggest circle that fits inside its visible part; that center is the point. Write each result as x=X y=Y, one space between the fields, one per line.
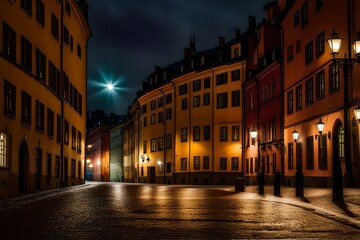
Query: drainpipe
x=282 y=119
x=174 y=135
x=212 y=125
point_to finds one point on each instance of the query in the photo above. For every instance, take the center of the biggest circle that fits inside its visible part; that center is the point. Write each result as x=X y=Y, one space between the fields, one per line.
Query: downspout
x=212 y=125
x=189 y=133
x=282 y=113
x=62 y=173
x=164 y=134
x=174 y=135
x=138 y=139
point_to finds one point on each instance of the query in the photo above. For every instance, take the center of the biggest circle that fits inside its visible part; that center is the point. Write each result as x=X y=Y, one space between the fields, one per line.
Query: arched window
x=3 y=150
x=341 y=143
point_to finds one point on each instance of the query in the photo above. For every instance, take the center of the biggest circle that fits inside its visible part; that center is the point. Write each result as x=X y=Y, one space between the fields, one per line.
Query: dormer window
x=236 y=53
x=202 y=60
x=181 y=68
x=192 y=63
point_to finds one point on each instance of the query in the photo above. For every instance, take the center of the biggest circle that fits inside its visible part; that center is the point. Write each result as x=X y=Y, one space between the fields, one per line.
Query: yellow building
x=43 y=55
x=191 y=117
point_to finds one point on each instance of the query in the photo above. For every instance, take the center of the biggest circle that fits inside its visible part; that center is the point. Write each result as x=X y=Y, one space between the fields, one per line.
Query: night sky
x=131 y=37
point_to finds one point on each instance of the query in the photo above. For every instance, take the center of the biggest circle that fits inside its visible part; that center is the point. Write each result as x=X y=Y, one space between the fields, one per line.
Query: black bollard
x=299 y=182
x=277 y=181
x=261 y=182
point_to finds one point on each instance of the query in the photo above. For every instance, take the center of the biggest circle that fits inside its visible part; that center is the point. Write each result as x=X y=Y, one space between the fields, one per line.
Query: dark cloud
x=130 y=37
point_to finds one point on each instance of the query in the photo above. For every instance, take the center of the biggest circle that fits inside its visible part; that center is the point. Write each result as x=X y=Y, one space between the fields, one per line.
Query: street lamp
x=320 y=126
x=253 y=134
x=295 y=135
x=357 y=112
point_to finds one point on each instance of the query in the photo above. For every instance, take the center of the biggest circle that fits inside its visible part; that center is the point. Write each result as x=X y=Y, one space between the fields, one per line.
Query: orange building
x=43 y=55
x=318 y=90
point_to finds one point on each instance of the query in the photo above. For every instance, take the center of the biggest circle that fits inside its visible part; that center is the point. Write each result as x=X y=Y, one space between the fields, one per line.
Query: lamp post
x=346 y=62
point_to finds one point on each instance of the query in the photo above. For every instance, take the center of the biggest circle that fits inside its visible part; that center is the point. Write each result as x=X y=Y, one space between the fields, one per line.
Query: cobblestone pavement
x=135 y=211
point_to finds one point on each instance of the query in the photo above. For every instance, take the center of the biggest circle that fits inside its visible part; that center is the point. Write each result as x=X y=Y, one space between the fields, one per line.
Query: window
x=290 y=53
x=309 y=52
x=160 y=102
x=196 y=85
x=206 y=83
x=160 y=168
x=26 y=5
x=71 y=93
x=145 y=121
x=9 y=42
x=160 y=117
x=235 y=133
x=73 y=167
x=290 y=107
x=153 y=145
x=299 y=97
x=78 y=143
x=202 y=60
x=79 y=169
x=184 y=104
x=206 y=162
x=223 y=163
x=309 y=91
x=50 y=123
x=196 y=162
x=153 y=105
x=341 y=143
x=168 y=113
x=9 y=99
x=206 y=133
x=267 y=164
x=319 y=5
x=25 y=108
x=206 y=99
x=322 y=152
x=71 y=43
x=222 y=100
x=296 y=18
x=48 y=164
x=153 y=118
x=235 y=75
x=54 y=79
x=196 y=136
x=57 y=166
x=66 y=132
x=66 y=36
x=183 y=164
x=144 y=147
x=73 y=137
x=310 y=152
x=58 y=128
x=3 y=150
x=183 y=89
x=223 y=133
x=334 y=77
x=168 y=98
x=26 y=54
x=168 y=141
x=168 y=167
x=183 y=134
x=290 y=156
x=273 y=128
x=80 y=104
x=235 y=98
x=66 y=85
x=263 y=132
x=304 y=13
x=40 y=12
x=196 y=101
x=320 y=85
x=221 y=79
x=298 y=46
x=40 y=65
x=247 y=166
x=320 y=44
x=67 y=7
x=234 y=163
x=79 y=50
x=143 y=108
x=38 y=161
x=160 y=143
x=55 y=26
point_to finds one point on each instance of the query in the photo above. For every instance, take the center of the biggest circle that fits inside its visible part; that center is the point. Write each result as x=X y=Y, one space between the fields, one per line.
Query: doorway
x=23 y=167
x=152 y=174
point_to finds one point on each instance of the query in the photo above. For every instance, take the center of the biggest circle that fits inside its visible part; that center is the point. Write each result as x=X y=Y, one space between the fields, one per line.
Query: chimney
x=187 y=52
x=237 y=33
x=221 y=41
x=252 y=24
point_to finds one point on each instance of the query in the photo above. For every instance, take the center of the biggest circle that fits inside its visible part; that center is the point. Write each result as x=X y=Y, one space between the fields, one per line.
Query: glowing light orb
x=110 y=86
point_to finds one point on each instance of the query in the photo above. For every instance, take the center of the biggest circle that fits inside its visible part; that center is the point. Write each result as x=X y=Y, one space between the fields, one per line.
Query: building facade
x=116 y=153
x=43 y=51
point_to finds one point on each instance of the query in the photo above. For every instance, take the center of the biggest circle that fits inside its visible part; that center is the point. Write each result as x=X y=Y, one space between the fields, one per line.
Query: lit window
x=3 y=150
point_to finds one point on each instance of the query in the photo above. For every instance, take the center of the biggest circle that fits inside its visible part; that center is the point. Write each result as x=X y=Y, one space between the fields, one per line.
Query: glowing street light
x=110 y=86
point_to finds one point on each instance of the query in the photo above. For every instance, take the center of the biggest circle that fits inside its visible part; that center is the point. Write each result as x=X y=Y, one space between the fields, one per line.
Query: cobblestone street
x=121 y=211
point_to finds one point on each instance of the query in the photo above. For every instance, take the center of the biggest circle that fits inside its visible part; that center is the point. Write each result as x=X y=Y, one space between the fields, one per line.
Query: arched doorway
x=23 y=167
x=338 y=152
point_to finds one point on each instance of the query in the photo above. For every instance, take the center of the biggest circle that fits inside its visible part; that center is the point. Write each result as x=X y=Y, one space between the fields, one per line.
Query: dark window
x=223 y=163
x=48 y=164
x=196 y=85
x=290 y=53
x=57 y=166
x=73 y=137
x=319 y=5
x=184 y=104
x=9 y=42
x=143 y=108
x=221 y=79
x=298 y=46
x=183 y=89
x=290 y=156
x=73 y=167
x=145 y=121
x=196 y=134
x=40 y=12
x=50 y=123
x=273 y=128
x=54 y=79
x=309 y=91
x=334 y=77
x=206 y=83
x=38 y=161
x=160 y=117
x=66 y=36
x=298 y=97
x=206 y=133
x=168 y=112
x=290 y=101
x=183 y=134
x=183 y=164
x=25 y=108
x=26 y=54
x=235 y=75
x=296 y=18
x=9 y=99
x=78 y=143
x=54 y=26
x=67 y=7
x=196 y=162
x=71 y=43
x=26 y=5
x=160 y=143
x=206 y=99
x=235 y=133
x=222 y=100
x=310 y=152
x=320 y=44
x=160 y=102
x=304 y=13
x=196 y=101
x=235 y=98
x=58 y=128
x=153 y=145
x=309 y=52
x=40 y=65
x=79 y=50
x=168 y=167
x=76 y=100
x=39 y=116
x=153 y=118
x=153 y=105
x=206 y=162
x=66 y=85
x=168 y=141
x=80 y=104
x=320 y=85
x=66 y=132
x=223 y=133
x=168 y=98
x=247 y=166
x=79 y=169
x=144 y=147
x=322 y=151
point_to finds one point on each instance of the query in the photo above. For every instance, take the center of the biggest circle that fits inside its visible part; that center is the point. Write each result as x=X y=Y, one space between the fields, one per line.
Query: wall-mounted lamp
x=148 y=159
x=253 y=134
x=320 y=126
x=159 y=162
x=357 y=112
x=295 y=135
